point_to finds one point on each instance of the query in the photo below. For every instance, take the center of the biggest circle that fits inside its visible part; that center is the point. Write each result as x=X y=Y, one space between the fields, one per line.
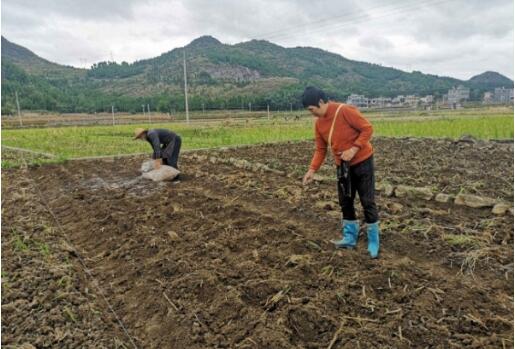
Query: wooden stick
x=335 y=338
x=393 y=311
x=359 y=318
x=171 y=303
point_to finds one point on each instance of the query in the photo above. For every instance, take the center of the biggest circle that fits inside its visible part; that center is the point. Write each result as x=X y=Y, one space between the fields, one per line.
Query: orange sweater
x=350 y=129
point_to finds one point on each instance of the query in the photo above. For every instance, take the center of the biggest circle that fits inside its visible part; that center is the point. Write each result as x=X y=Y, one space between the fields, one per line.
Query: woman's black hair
x=312 y=96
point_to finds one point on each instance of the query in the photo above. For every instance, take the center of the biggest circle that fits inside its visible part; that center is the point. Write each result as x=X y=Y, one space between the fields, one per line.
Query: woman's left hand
x=348 y=154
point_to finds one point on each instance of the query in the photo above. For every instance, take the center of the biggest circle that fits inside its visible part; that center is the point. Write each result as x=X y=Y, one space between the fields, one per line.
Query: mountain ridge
x=254 y=71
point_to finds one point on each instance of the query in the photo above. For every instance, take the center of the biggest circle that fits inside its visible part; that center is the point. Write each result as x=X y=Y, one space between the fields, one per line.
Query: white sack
x=164 y=173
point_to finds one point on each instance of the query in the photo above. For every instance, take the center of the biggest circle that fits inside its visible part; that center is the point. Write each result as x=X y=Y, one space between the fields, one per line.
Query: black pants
x=362 y=181
x=170 y=152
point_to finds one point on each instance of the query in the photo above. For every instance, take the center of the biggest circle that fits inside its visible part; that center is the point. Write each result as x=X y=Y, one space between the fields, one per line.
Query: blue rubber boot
x=350 y=232
x=373 y=239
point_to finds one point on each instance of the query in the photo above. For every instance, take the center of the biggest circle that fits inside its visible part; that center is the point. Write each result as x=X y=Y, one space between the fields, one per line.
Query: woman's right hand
x=308 y=177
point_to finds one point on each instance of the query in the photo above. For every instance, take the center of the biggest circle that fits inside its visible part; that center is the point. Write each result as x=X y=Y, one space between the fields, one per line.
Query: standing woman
x=342 y=129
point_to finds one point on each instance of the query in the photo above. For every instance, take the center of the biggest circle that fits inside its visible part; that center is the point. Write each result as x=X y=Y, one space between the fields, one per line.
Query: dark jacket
x=159 y=136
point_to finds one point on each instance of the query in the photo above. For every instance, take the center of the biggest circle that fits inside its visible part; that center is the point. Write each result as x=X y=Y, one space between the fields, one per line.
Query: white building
x=488 y=97
x=427 y=99
x=503 y=95
x=399 y=100
x=458 y=94
x=411 y=100
x=359 y=101
x=380 y=102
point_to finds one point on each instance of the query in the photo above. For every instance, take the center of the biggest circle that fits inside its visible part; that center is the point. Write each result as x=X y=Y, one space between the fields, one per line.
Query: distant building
x=427 y=100
x=411 y=100
x=380 y=102
x=488 y=97
x=503 y=95
x=359 y=101
x=456 y=95
x=399 y=100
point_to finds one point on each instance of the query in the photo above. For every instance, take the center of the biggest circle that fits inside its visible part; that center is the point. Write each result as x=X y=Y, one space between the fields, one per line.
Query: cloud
x=454 y=37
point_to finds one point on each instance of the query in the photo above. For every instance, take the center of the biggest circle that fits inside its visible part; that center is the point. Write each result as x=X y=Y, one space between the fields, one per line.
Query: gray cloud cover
x=454 y=38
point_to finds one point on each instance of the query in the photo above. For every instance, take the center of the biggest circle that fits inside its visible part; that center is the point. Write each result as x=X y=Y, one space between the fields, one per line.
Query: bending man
x=166 y=145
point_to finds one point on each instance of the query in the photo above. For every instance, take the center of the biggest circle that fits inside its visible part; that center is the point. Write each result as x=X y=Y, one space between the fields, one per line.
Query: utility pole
x=18 y=107
x=185 y=88
x=149 y=117
x=203 y=109
x=268 y=111
x=112 y=112
x=143 y=106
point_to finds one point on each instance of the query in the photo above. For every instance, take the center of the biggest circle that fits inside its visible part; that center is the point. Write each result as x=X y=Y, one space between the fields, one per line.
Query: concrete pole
x=186 y=106
x=18 y=107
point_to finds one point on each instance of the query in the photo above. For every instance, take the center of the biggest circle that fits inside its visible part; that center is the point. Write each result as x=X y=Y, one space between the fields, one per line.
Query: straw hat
x=138 y=132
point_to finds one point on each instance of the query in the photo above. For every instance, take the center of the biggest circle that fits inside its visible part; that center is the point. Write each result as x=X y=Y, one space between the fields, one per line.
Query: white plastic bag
x=164 y=173
x=147 y=166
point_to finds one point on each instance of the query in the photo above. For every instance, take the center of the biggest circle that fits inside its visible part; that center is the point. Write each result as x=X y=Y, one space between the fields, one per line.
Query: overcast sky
x=458 y=38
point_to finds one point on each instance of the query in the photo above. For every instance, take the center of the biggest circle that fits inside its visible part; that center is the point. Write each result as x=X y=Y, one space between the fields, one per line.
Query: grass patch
x=43 y=249
x=18 y=243
x=460 y=240
x=73 y=142
x=491 y=127
x=4 y=279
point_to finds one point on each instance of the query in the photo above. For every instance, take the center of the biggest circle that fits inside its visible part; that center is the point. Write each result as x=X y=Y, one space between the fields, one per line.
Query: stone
x=413 y=192
x=298 y=259
x=444 y=198
x=26 y=346
x=474 y=201
x=468 y=139
x=388 y=190
x=173 y=236
x=432 y=212
x=326 y=205
x=500 y=208
x=395 y=207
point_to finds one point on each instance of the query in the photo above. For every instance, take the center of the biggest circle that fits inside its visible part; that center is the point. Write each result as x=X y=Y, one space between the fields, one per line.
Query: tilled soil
x=449 y=166
x=240 y=258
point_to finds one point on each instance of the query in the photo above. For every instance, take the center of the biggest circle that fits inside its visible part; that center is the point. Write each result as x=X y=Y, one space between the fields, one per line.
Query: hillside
x=219 y=75
x=33 y=64
x=490 y=80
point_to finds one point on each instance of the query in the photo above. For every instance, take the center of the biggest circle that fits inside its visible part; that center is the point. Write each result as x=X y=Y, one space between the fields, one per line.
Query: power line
x=331 y=25
x=317 y=23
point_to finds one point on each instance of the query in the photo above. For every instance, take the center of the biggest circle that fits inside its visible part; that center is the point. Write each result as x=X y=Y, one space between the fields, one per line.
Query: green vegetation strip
x=72 y=142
